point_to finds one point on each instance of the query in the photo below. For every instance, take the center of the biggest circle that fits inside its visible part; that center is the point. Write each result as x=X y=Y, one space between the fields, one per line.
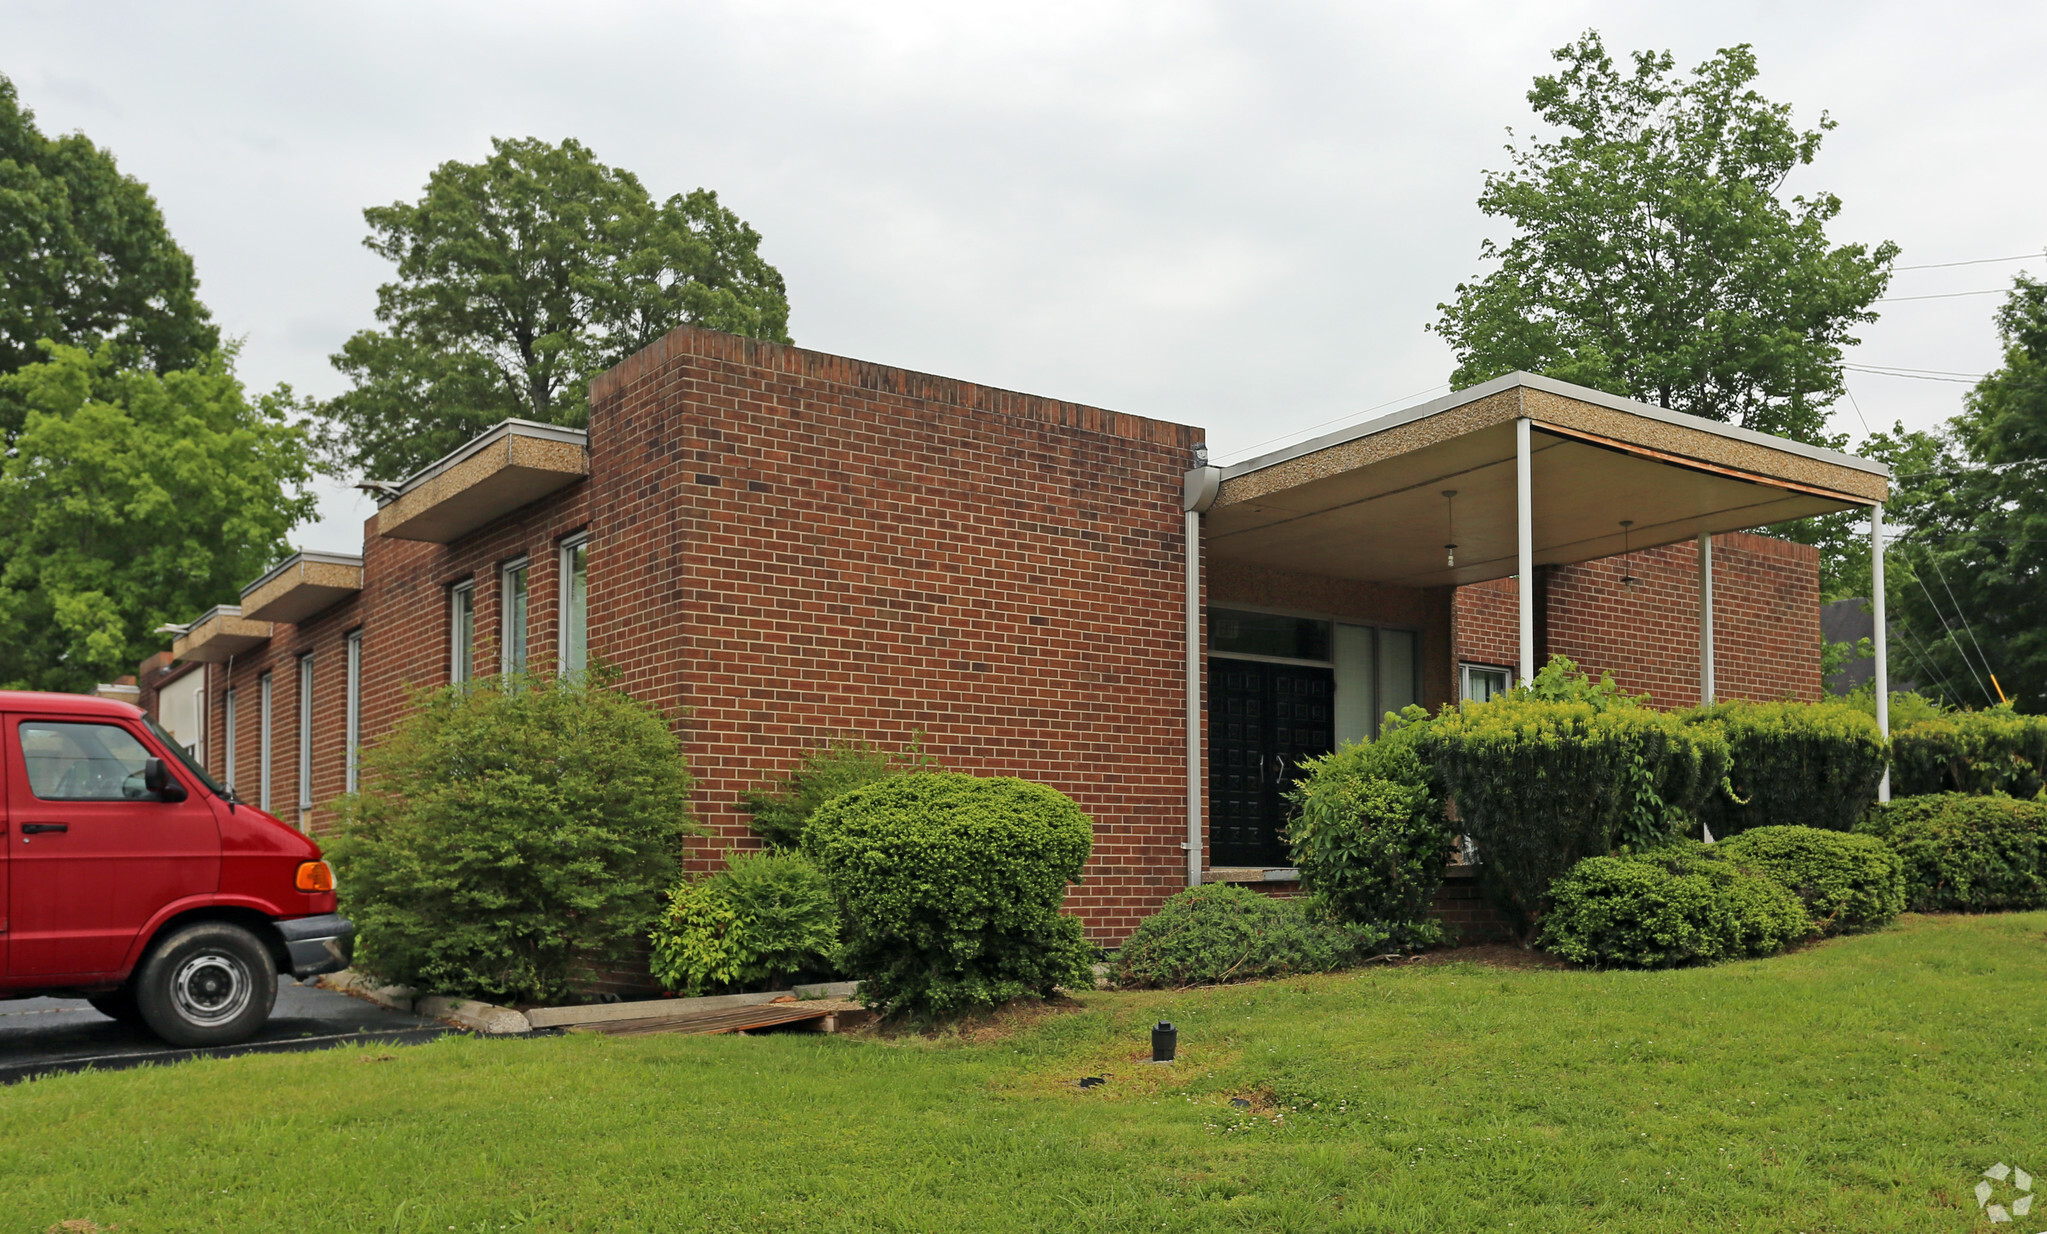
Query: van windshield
x=177 y=751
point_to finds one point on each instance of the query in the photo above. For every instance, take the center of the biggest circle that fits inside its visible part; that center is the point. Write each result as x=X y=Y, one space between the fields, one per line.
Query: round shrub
x=949 y=889
x=1996 y=750
x=1847 y=882
x=783 y=806
x=764 y=920
x=510 y=829
x=1669 y=907
x=1967 y=854
x=1368 y=836
x=1221 y=932
x=1794 y=764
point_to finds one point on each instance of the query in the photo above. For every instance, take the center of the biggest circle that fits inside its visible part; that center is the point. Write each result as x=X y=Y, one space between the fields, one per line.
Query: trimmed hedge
x=765 y=919
x=1993 y=751
x=1369 y=837
x=1220 y=932
x=1965 y=853
x=1666 y=908
x=1542 y=785
x=782 y=807
x=1793 y=764
x=1848 y=883
x=949 y=889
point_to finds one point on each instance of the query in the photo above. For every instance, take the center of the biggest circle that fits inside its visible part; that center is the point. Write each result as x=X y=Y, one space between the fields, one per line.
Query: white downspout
x=1881 y=642
x=1706 y=619
x=1197 y=493
x=1524 y=517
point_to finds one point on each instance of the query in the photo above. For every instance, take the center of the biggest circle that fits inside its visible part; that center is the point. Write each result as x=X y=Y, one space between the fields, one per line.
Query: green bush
x=1848 y=883
x=1540 y=786
x=1992 y=751
x=949 y=889
x=1221 y=932
x=782 y=807
x=1803 y=764
x=763 y=921
x=509 y=829
x=1965 y=853
x=1668 y=907
x=1368 y=834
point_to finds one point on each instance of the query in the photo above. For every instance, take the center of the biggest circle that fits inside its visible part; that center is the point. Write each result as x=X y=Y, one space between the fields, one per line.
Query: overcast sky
x=1236 y=216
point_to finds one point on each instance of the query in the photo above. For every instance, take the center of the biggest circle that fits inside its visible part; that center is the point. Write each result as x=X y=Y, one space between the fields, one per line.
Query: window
x=263 y=742
x=1233 y=632
x=1480 y=682
x=228 y=769
x=82 y=762
x=575 y=602
x=305 y=732
x=352 y=759
x=512 y=639
x=461 y=631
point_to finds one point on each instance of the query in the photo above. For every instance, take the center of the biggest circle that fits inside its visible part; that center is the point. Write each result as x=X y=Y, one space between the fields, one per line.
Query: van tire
x=210 y=983
x=117 y=1005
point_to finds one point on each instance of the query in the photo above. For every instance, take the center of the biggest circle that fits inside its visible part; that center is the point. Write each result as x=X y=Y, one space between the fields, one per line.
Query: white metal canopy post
x=1706 y=618
x=1880 y=643
x=1524 y=512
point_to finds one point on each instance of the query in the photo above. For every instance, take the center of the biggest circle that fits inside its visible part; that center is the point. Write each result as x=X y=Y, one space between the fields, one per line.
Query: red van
x=129 y=878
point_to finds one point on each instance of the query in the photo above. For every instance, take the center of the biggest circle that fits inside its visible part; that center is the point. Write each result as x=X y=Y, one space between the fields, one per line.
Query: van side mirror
x=160 y=783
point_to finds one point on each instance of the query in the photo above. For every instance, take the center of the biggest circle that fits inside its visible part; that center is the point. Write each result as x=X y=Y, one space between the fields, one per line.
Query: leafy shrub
x=1908 y=707
x=1804 y=764
x=949 y=888
x=1368 y=834
x=508 y=829
x=1991 y=751
x=764 y=919
x=1668 y=907
x=1966 y=853
x=1541 y=785
x=781 y=807
x=1562 y=681
x=1221 y=932
x=1848 y=883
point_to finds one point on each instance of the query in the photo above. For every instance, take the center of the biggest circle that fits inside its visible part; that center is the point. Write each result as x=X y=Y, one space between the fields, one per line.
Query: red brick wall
x=1766 y=620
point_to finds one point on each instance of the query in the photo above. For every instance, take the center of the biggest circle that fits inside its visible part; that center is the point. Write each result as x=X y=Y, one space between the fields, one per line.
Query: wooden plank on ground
x=730 y=1019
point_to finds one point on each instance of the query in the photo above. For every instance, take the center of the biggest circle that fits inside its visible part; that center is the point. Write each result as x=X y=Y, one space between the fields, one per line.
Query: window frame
x=515 y=620
x=229 y=725
x=1464 y=671
x=352 y=751
x=567 y=600
x=265 y=689
x=461 y=641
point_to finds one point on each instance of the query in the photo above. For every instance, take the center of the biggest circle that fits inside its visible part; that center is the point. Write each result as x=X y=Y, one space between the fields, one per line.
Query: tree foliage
x=131 y=499
x=85 y=258
x=1966 y=584
x=521 y=277
x=1654 y=255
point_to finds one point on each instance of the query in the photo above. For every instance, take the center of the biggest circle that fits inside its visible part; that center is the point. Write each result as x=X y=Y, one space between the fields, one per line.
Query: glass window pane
x=1355 y=696
x=462 y=632
x=575 y=655
x=82 y=762
x=1396 y=670
x=515 y=619
x=1267 y=634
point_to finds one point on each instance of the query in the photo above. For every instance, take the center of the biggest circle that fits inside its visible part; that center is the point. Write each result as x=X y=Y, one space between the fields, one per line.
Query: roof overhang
x=301 y=586
x=219 y=635
x=1368 y=502
x=515 y=463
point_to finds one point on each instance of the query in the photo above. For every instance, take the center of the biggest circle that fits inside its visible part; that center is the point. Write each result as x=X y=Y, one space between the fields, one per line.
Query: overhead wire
x=1942 y=617
x=1977 y=261
x=1970 y=630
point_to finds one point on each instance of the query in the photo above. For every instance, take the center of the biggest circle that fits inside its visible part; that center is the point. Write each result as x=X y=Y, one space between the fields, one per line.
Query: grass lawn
x=1858 y=1085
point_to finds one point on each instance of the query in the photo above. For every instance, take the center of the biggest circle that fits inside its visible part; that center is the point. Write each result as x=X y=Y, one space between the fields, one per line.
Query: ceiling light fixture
x=1450 y=525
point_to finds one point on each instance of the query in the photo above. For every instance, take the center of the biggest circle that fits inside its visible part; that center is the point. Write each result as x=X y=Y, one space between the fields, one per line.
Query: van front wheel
x=211 y=983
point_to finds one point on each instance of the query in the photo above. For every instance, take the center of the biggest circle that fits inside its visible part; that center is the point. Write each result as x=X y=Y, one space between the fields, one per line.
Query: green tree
x=1654 y=255
x=519 y=279
x=1965 y=588
x=130 y=499
x=85 y=258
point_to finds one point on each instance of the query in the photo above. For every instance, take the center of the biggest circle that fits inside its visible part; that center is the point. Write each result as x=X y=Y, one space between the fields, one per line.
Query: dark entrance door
x=1263 y=719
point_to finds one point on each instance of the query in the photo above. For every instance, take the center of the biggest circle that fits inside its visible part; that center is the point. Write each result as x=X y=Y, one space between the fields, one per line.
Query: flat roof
x=475 y=445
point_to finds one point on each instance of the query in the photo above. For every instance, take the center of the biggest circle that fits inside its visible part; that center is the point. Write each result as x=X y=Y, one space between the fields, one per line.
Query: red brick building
x=778 y=547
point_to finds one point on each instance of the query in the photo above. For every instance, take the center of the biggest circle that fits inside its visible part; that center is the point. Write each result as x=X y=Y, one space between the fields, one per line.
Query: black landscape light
x=1165 y=1042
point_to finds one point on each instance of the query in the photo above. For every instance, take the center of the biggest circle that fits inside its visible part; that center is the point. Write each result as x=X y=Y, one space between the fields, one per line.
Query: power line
x=1881 y=372
x=1943 y=295
x=1980 y=261
x=1858 y=409
x=1916 y=577
x=1959 y=613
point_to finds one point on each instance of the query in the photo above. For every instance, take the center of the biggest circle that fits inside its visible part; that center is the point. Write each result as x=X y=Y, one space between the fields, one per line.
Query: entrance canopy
x=1367 y=502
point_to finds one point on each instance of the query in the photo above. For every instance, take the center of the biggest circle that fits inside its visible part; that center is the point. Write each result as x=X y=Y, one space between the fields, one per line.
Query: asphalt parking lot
x=42 y=1036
